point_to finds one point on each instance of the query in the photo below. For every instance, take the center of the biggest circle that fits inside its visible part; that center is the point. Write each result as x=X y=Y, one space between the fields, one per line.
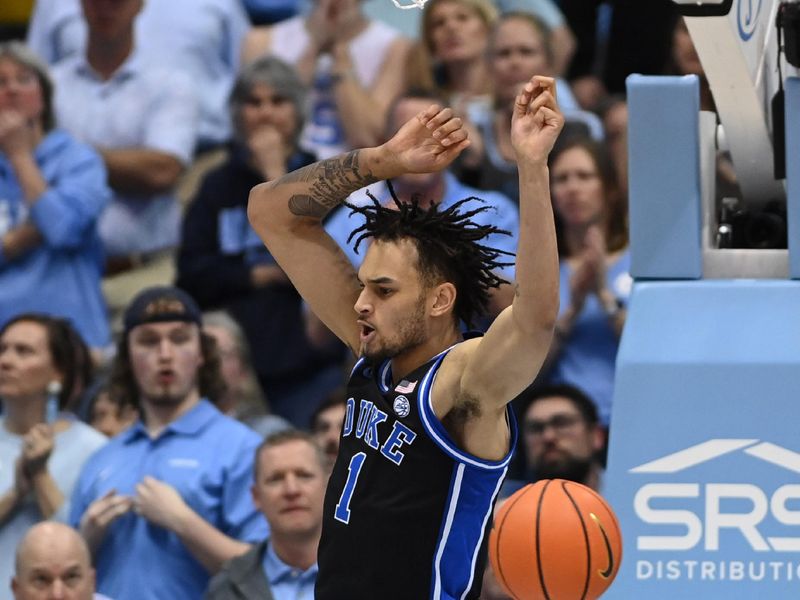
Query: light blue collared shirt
x=141 y=106
x=286 y=582
x=502 y=213
x=200 y=38
x=208 y=458
x=62 y=275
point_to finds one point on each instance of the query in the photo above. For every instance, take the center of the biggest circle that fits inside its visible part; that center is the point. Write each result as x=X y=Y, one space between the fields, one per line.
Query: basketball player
x=427 y=432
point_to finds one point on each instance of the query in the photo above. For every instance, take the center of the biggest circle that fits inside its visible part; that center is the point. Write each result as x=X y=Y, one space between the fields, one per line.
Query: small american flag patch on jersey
x=405 y=386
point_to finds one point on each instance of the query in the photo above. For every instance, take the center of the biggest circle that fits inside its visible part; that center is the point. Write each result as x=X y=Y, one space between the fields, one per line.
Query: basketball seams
x=498 y=536
x=542 y=547
x=538 y=539
x=613 y=518
x=585 y=539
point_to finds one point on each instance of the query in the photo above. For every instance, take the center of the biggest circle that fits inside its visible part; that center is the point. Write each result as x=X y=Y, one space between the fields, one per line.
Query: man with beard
x=563 y=437
x=427 y=434
x=166 y=502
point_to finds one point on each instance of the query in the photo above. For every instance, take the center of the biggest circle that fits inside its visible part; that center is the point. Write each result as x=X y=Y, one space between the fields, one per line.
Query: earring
x=51 y=408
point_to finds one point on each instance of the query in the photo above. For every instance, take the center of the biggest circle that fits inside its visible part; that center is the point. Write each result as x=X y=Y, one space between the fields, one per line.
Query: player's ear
x=443 y=299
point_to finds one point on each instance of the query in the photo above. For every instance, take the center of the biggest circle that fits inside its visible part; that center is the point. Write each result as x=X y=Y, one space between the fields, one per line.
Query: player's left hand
x=159 y=503
x=536 y=121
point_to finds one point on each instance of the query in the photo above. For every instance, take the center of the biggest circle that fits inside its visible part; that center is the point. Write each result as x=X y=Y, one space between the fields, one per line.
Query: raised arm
x=506 y=360
x=287 y=213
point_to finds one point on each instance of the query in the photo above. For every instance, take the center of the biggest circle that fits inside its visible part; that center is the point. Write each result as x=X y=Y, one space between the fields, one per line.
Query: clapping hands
x=589 y=274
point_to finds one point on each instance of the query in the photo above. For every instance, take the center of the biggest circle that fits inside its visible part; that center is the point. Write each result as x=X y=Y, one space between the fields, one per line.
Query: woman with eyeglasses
x=42 y=369
x=52 y=191
x=595 y=264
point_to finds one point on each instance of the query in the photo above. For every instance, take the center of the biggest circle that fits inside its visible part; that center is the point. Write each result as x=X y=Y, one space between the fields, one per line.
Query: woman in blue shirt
x=52 y=190
x=595 y=265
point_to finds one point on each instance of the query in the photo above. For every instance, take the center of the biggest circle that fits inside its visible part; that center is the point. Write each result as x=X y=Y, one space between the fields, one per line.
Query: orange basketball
x=555 y=540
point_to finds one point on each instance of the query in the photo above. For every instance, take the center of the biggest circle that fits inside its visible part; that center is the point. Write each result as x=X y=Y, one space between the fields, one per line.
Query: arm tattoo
x=330 y=181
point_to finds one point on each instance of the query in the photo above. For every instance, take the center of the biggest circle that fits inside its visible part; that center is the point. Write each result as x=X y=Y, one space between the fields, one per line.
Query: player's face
x=558 y=441
x=166 y=358
x=391 y=306
x=518 y=53
x=290 y=488
x=327 y=429
x=56 y=570
x=577 y=189
x=20 y=90
x=26 y=366
x=265 y=107
x=456 y=32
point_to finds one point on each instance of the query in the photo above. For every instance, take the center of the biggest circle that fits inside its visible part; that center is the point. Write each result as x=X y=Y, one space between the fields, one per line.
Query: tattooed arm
x=287 y=213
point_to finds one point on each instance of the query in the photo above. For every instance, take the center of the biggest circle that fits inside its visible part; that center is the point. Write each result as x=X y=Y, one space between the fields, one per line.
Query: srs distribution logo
x=713 y=515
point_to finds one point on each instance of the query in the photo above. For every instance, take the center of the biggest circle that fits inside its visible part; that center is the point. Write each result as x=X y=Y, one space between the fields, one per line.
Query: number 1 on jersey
x=342 y=512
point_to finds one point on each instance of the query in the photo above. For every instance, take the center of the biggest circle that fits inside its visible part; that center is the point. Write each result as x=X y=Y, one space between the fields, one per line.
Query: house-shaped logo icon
x=714 y=448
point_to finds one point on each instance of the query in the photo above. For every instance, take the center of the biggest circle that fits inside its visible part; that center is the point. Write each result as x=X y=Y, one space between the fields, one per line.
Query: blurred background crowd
x=131 y=132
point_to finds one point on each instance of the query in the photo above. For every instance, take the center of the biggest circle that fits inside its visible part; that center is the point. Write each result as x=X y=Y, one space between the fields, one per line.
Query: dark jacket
x=242 y=578
x=218 y=250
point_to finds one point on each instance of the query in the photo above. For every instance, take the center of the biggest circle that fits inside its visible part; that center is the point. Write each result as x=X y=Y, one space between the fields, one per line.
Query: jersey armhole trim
x=437 y=432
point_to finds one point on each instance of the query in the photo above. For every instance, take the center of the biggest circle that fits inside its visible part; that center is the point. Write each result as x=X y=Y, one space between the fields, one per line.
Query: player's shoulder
x=456 y=360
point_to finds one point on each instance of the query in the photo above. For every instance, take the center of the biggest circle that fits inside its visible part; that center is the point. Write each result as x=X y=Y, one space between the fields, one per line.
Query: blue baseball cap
x=161 y=304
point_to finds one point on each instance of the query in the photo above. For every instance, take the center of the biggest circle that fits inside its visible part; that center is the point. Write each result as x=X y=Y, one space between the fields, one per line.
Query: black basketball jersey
x=406 y=511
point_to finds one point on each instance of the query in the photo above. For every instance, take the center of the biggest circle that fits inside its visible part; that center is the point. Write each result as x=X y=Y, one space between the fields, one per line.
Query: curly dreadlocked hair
x=447 y=245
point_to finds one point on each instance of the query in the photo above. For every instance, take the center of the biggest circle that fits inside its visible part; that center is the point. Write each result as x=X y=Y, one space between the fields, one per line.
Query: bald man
x=52 y=563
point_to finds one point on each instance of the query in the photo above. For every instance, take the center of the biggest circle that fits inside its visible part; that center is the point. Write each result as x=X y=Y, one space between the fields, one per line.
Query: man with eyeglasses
x=562 y=436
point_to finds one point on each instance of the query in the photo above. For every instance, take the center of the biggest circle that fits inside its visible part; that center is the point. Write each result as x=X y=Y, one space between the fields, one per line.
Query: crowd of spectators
x=131 y=133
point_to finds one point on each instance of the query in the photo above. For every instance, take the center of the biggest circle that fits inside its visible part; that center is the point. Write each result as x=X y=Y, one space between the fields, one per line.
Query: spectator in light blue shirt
x=52 y=191
x=166 y=502
x=201 y=38
x=289 y=488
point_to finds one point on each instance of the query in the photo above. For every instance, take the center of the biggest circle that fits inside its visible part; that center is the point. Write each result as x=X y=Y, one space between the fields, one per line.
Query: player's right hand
x=428 y=142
